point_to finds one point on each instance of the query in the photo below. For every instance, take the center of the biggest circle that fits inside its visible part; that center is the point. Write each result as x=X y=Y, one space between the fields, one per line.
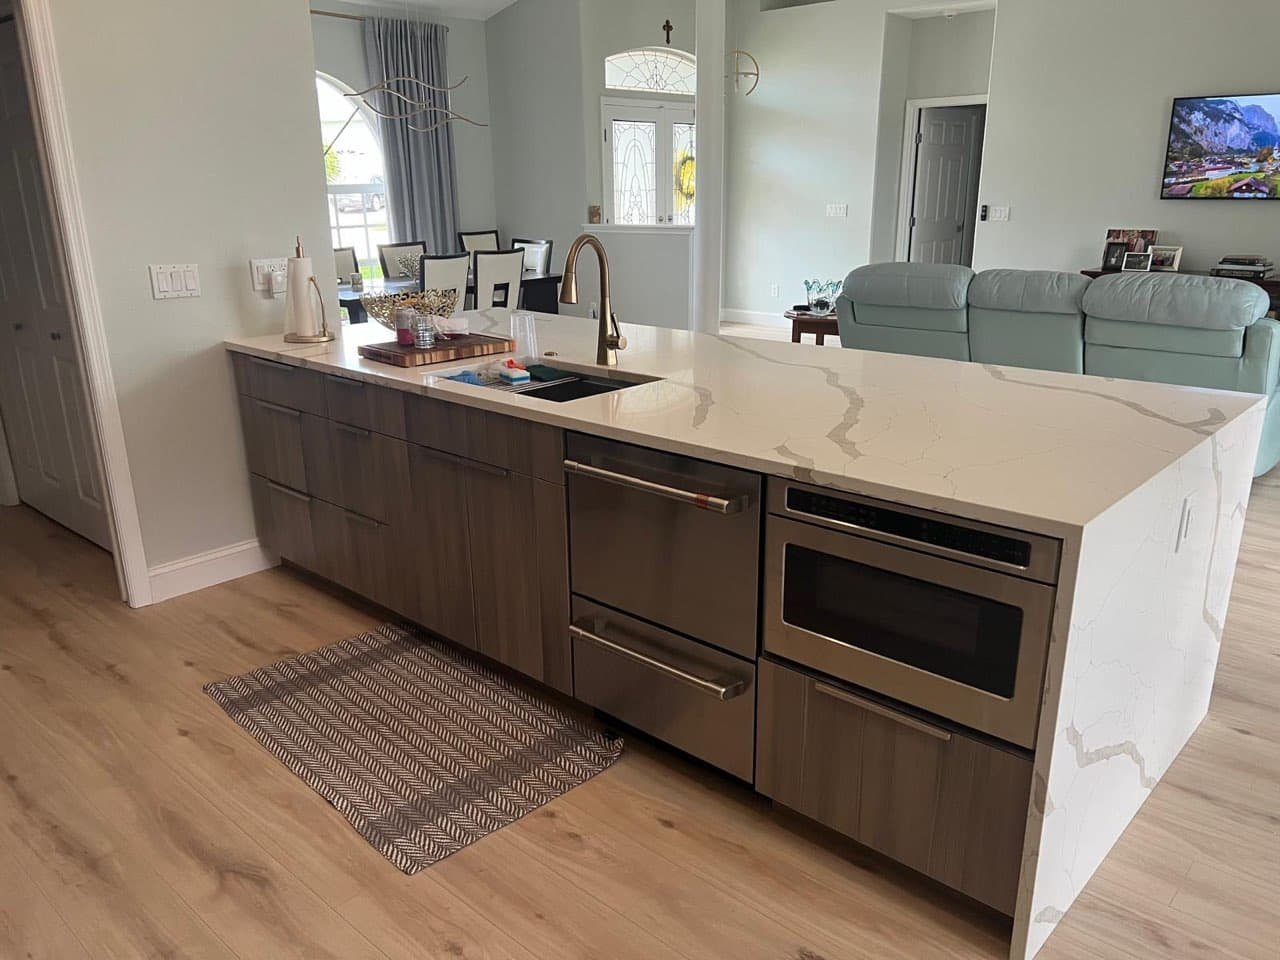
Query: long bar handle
x=872 y=707
x=703 y=501
x=721 y=691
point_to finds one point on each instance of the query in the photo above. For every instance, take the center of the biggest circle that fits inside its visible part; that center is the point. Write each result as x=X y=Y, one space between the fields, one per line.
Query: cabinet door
x=354 y=551
x=434 y=550
x=519 y=567
x=940 y=801
x=284 y=521
x=352 y=467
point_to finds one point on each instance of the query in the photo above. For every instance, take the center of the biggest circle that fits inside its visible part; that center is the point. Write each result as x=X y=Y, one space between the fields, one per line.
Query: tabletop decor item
x=1138 y=240
x=1166 y=259
x=465 y=346
x=1137 y=262
x=434 y=302
x=1113 y=255
x=306 y=319
x=822 y=295
x=410 y=266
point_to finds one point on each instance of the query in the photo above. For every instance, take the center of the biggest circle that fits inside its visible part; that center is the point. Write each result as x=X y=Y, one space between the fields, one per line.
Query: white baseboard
x=169 y=580
x=755 y=318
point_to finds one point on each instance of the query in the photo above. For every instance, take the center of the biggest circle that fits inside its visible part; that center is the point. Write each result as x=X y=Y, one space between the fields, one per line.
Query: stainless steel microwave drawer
x=667 y=538
x=695 y=698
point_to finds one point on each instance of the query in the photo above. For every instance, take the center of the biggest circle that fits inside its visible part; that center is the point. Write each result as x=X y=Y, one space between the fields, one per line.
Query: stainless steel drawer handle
x=354 y=431
x=703 y=501
x=272 y=365
x=342 y=381
x=276 y=408
x=872 y=707
x=288 y=493
x=717 y=689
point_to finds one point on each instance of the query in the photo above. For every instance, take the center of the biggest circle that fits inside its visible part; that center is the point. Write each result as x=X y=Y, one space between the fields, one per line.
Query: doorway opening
x=942 y=165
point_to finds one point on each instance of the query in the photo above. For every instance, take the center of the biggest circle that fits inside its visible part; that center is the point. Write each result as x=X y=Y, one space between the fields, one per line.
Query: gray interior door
x=945 y=198
x=42 y=391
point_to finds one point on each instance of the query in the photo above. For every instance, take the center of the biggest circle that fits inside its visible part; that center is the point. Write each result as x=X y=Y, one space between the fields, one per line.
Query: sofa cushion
x=923 y=286
x=1029 y=291
x=1177 y=300
x=1163 y=338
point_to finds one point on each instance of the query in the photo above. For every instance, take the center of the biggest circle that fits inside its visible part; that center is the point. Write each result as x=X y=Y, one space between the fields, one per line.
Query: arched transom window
x=652 y=70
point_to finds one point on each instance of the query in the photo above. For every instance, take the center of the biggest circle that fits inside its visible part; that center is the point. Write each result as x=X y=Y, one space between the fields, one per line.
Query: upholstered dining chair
x=399 y=260
x=469 y=241
x=537 y=254
x=498 y=276
x=446 y=273
x=344 y=258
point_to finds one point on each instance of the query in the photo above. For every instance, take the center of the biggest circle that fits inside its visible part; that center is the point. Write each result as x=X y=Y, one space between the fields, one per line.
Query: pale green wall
x=176 y=165
x=950 y=55
x=1080 y=99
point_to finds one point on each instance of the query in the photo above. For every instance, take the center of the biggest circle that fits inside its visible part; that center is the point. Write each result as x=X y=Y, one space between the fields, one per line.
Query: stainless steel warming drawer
x=687 y=694
x=670 y=539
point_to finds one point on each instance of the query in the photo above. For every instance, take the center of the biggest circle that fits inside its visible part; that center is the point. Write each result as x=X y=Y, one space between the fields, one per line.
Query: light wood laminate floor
x=136 y=820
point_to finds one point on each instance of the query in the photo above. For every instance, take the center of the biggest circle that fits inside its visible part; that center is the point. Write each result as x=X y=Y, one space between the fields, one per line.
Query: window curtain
x=422 y=172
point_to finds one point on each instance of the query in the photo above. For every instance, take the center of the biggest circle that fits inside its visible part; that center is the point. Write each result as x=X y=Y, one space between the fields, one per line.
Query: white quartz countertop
x=1042 y=451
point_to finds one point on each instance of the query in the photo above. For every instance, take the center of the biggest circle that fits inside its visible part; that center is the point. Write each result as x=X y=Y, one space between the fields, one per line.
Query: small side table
x=820 y=326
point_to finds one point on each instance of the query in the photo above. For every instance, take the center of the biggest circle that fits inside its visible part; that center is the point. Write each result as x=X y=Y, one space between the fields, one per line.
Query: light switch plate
x=260 y=271
x=174 y=281
x=1000 y=213
x=837 y=209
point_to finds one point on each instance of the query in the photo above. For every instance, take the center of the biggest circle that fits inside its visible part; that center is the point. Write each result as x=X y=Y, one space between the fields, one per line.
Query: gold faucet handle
x=617 y=341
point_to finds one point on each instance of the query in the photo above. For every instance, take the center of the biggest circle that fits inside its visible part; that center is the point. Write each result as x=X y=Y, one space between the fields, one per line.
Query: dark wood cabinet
x=434 y=549
x=519 y=568
x=283 y=519
x=354 y=468
x=354 y=551
x=280 y=383
x=934 y=798
x=364 y=405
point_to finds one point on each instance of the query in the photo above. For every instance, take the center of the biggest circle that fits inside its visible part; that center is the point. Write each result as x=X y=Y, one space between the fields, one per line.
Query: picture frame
x=1138 y=239
x=1137 y=262
x=1166 y=259
x=1113 y=255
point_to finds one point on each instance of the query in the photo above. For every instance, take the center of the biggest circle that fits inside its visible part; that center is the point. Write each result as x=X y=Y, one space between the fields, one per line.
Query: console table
x=820 y=326
x=1271 y=284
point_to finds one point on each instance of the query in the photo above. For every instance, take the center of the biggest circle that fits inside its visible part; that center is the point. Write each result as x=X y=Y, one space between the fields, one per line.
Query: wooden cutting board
x=462 y=347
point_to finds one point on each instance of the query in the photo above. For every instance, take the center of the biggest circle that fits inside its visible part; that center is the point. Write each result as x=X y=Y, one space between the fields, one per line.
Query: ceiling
x=463 y=9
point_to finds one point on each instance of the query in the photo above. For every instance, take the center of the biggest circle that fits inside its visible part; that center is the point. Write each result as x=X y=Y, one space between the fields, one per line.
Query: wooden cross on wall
x=667 y=27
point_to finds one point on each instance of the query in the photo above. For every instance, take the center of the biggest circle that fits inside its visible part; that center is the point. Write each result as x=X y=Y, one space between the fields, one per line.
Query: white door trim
x=49 y=103
x=907 y=177
x=705 y=294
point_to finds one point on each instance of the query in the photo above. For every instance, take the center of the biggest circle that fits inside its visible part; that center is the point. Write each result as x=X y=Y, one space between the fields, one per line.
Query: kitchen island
x=1139 y=488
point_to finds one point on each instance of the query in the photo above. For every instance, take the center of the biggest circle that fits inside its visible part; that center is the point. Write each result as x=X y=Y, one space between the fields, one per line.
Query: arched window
x=652 y=70
x=355 y=173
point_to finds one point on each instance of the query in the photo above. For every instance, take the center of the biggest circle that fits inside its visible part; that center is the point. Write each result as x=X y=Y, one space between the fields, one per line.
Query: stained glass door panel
x=635 y=156
x=683 y=145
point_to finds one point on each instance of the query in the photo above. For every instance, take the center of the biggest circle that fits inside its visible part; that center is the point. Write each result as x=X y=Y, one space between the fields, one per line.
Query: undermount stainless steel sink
x=572 y=386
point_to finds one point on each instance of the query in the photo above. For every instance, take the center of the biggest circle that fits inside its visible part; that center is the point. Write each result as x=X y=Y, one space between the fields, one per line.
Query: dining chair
x=469 y=241
x=498 y=276
x=345 y=260
x=446 y=273
x=399 y=260
x=537 y=254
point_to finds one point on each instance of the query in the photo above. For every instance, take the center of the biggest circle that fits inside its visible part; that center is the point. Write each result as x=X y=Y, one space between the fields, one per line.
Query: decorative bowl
x=436 y=302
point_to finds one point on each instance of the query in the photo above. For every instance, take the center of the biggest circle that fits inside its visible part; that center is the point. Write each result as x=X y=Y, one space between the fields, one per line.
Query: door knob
x=55 y=336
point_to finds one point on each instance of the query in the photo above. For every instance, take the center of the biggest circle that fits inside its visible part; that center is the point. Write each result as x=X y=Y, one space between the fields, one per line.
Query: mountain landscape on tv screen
x=1224 y=147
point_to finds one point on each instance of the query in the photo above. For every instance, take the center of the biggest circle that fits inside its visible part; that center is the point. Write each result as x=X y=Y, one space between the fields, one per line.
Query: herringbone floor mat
x=422 y=749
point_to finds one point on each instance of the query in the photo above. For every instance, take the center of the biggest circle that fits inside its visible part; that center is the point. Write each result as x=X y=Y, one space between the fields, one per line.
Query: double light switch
x=172 y=281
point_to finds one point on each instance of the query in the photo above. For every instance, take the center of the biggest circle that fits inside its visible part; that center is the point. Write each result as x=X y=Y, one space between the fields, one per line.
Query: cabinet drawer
x=684 y=693
x=936 y=799
x=521 y=446
x=355 y=552
x=278 y=383
x=354 y=468
x=359 y=404
x=273 y=442
x=284 y=521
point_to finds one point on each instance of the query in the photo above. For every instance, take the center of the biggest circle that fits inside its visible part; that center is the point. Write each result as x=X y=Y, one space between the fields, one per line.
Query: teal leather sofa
x=915 y=308
x=1195 y=331
x=1162 y=327
x=1028 y=318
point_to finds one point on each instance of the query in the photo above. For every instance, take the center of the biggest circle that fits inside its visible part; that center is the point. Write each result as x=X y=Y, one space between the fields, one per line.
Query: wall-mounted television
x=1224 y=148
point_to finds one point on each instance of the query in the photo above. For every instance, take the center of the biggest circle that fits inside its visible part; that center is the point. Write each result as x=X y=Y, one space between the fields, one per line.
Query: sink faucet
x=610 y=340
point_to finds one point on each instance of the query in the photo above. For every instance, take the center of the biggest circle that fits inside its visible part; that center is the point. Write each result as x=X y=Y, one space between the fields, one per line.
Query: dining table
x=540 y=292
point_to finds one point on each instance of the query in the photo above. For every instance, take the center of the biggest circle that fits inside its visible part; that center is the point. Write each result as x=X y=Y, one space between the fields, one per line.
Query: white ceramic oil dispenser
x=304 y=323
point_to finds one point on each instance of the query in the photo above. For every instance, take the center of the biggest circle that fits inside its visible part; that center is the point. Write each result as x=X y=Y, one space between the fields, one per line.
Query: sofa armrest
x=1260 y=371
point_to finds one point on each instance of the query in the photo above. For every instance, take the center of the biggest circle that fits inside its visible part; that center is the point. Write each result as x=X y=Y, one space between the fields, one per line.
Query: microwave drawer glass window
x=970 y=639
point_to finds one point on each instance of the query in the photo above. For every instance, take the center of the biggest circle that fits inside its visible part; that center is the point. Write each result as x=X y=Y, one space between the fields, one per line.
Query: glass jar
x=424 y=332
x=404 y=320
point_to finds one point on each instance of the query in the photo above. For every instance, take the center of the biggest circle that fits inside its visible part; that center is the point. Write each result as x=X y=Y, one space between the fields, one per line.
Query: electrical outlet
x=260 y=272
x=174 y=281
x=837 y=210
x=774 y=291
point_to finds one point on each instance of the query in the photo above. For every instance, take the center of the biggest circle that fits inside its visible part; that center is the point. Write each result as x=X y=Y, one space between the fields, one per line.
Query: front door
x=42 y=391
x=945 y=198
